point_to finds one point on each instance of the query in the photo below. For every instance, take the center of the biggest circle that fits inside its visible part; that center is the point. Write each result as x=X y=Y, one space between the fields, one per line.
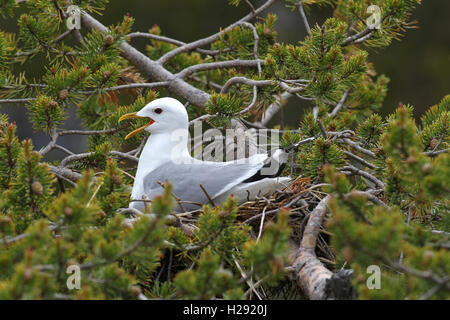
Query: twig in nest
x=207 y=195
x=178 y=200
x=146 y=202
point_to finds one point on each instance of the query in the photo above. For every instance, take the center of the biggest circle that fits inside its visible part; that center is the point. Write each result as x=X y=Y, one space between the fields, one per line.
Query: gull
x=165 y=157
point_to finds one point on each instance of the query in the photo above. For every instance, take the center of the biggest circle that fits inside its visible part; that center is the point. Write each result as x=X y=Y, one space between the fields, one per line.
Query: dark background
x=418 y=66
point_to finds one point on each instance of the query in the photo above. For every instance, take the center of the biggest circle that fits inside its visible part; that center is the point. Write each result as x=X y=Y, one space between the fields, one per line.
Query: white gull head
x=168 y=115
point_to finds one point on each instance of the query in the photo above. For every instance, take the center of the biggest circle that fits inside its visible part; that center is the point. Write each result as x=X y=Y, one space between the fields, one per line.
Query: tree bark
x=316 y=281
x=152 y=69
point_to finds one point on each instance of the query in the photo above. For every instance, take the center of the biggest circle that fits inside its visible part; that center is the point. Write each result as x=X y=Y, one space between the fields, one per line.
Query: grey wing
x=216 y=178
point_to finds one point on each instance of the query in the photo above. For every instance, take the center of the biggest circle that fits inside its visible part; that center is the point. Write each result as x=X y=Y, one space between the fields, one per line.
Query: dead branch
x=316 y=281
x=303 y=16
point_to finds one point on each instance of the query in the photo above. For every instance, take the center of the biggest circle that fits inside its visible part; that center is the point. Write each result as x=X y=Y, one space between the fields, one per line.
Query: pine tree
x=368 y=190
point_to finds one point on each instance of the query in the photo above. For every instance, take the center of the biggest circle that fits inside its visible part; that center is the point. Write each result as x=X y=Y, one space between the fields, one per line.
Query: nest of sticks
x=301 y=197
x=311 y=261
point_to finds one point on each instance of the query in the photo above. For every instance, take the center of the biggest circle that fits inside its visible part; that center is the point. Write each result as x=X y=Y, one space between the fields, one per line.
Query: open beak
x=134 y=116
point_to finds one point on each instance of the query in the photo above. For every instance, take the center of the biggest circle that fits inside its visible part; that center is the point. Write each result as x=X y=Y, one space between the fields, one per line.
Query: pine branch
x=208 y=40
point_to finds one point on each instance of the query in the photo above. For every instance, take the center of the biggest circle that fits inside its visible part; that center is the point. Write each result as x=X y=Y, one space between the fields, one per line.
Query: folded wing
x=186 y=178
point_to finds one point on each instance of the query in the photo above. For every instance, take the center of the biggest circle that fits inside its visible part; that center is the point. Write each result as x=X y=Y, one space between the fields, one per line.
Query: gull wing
x=215 y=177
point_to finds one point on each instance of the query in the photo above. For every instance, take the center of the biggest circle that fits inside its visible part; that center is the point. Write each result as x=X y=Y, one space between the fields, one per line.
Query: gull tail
x=272 y=168
x=251 y=190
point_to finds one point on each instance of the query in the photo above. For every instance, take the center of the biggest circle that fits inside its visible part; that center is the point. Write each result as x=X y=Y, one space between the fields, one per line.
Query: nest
x=300 y=198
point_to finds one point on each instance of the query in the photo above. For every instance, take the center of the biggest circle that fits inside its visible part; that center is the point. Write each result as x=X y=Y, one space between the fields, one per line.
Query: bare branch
x=371 y=197
x=250 y=106
x=255 y=44
x=129 y=86
x=362 y=39
x=74 y=157
x=217 y=65
x=303 y=16
x=272 y=110
x=355 y=37
x=49 y=147
x=359 y=159
x=252 y=8
x=153 y=69
x=89 y=132
x=312 y=276
x=17 y=100
x=172 y=41
x=355 y=171
x=359 y=148
x=322 y=129
x=250 y=82
x=435 y=153
x=65 y=172
x=202 y=118
x=57 y=146
x=312 y=228
x=340 y=104
x=207 y=195
x=361 y=36
x=9 y=240
x=298 y=144
x=124 y=156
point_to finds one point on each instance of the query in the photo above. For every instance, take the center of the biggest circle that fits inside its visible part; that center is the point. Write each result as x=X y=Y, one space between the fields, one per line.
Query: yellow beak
x=134 y=116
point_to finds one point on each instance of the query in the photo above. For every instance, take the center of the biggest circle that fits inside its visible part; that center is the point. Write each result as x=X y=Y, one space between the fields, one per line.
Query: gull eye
x=158 y=110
